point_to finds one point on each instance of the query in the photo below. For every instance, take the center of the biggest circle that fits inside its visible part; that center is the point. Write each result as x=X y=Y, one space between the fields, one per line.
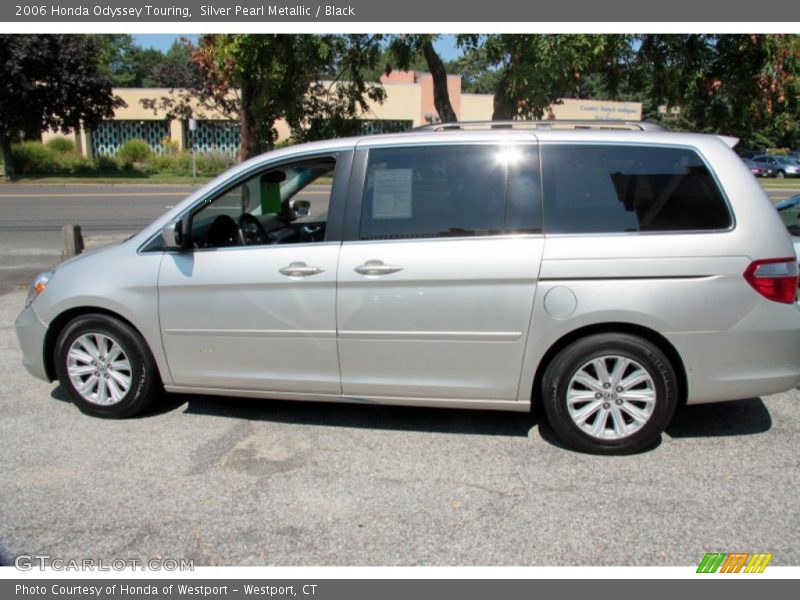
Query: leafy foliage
x=742 y=85
x=533 y=71
x=259 y=79
x=61 y=145
x=133 y=152
x=50 y=82
x=129 y=65
x=33 y=157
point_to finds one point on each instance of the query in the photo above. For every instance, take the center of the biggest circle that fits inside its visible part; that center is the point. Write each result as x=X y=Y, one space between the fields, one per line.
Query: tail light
x=775 y=278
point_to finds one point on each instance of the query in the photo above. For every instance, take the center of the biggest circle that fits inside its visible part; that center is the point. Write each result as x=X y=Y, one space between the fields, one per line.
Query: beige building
x=408 y=103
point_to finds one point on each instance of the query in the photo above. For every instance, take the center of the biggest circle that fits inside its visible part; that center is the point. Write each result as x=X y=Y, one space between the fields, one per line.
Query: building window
x=109 y=136
x=215 y=136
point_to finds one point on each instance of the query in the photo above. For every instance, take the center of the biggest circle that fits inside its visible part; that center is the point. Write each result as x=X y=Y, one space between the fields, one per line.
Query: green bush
x=60 y=145
x=212 y=163
x=58 y=157
x=161 y=163
x=33 y=157
x=134 y=152
x=105 y=163
x=74 y=163
x=180 y=163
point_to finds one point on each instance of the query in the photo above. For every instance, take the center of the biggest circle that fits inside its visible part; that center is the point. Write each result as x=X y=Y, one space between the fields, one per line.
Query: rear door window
x=450 y=191
x=614 y=189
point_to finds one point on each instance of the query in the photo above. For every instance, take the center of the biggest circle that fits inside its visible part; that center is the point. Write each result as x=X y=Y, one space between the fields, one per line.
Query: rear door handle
x=300 y=269
x=376 y=267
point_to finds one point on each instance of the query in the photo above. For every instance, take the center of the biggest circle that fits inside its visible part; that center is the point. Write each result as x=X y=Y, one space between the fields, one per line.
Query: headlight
x=37 y=287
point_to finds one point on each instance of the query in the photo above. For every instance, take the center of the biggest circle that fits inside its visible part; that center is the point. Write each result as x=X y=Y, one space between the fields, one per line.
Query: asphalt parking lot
x=253 y=482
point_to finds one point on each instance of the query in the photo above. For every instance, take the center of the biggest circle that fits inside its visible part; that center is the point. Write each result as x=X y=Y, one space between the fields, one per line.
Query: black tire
x=144 y=380
x=780 y=174
x=579 y=356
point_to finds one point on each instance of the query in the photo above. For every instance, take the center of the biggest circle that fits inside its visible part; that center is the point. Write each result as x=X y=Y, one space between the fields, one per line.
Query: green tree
x=533 y=71
x=406 y=49
x=741 y=85
x=477 y=75
x=176 y=69
x=315 y=82
x=129 y=65
x=145 y=62
x=50 y=82
x=116 y=58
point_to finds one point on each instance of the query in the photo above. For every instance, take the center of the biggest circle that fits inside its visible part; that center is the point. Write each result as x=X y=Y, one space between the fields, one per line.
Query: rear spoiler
x=729 y=140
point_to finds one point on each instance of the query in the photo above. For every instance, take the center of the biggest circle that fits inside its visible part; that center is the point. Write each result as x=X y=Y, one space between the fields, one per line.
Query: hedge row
x=59 y=157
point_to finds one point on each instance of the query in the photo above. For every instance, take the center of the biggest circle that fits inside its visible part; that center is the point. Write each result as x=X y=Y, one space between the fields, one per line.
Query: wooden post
x=71 y=241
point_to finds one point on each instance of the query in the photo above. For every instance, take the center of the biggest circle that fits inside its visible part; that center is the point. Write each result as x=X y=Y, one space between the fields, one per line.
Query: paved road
x=31 y=217
x=247 y=482
x=97 y=208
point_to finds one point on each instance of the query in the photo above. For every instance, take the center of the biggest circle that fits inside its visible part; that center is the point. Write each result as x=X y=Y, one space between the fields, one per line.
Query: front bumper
x=31 y=332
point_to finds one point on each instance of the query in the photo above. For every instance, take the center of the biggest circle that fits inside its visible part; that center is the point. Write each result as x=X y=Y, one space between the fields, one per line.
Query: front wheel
x=610 y=393
x=105 y=367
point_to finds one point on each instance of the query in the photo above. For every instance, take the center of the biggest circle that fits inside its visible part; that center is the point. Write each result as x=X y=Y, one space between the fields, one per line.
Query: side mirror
x=174 y=235
x=300 y=208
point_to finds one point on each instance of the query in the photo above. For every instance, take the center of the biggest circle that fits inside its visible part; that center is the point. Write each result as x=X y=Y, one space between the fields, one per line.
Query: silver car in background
x=609 y=271
x=782 y=166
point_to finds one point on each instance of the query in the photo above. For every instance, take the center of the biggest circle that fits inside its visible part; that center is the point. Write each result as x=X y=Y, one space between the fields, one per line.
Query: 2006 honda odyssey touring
x=609 y=271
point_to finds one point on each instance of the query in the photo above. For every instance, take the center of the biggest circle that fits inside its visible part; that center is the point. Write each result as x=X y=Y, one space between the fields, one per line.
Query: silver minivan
x=608 y=271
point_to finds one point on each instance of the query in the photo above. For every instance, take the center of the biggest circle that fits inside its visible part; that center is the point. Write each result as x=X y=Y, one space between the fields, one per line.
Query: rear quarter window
x=617 y=189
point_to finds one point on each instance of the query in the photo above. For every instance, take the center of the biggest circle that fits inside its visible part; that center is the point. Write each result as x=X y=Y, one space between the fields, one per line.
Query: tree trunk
x=248 y=142
x=8 y=160
x=441 y=96
x=503 y=108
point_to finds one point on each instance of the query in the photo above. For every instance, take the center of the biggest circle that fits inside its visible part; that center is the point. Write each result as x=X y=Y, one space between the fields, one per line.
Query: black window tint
x=607 y=189
x=444 y=191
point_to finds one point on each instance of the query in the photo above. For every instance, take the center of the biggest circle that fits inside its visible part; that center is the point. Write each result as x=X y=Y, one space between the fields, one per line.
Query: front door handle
x=376 y=267
x=300 y=269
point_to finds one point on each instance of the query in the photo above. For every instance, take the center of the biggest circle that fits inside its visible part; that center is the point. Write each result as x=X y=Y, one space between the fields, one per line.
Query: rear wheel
x=105 y=366
x=610 y=393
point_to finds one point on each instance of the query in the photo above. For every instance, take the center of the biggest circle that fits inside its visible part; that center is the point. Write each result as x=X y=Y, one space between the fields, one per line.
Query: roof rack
x=551 y=124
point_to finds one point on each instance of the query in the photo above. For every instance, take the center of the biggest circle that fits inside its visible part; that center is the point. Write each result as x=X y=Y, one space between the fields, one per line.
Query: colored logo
x=734 y=562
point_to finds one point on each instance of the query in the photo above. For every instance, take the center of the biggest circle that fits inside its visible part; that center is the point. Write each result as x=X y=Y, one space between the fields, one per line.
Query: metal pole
x=192 y=130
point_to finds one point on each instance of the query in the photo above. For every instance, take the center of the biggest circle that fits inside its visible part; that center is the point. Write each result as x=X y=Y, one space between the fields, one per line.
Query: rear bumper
x=760 y=355
x=31 y=333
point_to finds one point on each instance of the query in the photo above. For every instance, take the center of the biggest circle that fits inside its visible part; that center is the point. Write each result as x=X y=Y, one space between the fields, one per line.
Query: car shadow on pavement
x=738 y=417
x=361 y=416
x=166 y=403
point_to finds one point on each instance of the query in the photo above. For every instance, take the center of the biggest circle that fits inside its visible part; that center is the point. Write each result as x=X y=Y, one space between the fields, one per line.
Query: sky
x=445 y=45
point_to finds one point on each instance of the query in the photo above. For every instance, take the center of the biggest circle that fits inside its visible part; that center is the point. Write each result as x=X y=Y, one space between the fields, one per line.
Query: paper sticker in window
x=392 y=190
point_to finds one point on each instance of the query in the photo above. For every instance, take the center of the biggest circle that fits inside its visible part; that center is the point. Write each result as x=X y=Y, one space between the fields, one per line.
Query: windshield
x=786 y=161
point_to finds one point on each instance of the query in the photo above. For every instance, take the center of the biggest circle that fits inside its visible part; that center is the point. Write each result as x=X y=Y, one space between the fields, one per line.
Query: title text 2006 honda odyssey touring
x=609 y=271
